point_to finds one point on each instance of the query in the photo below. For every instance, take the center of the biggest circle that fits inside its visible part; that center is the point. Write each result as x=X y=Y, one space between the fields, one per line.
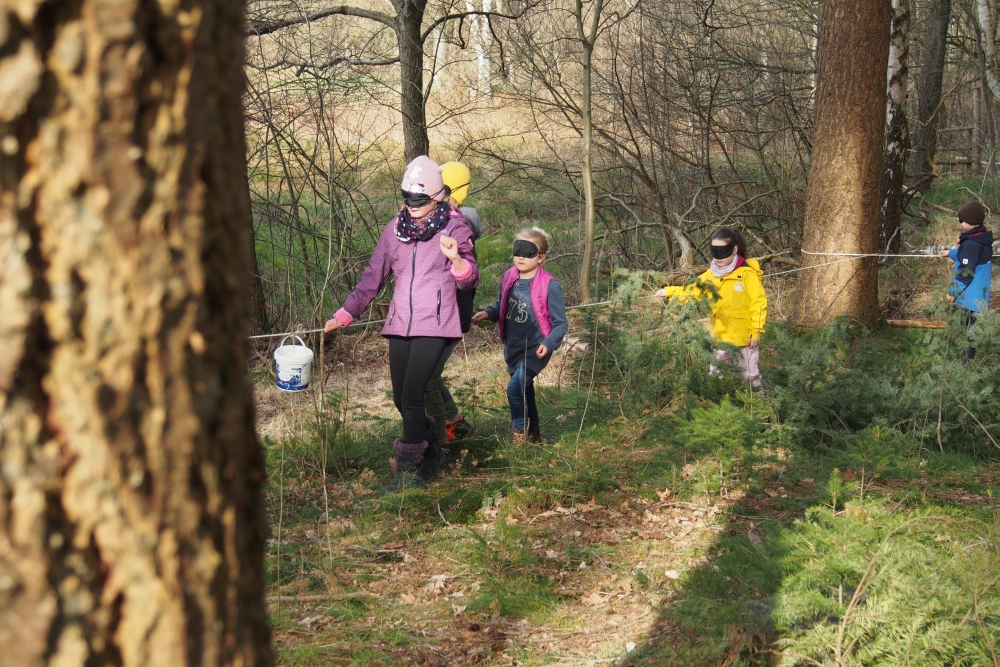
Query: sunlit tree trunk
x=842 y=204
x=897 y=136
x=588 y=37
x=131 y=516
x=481 y=42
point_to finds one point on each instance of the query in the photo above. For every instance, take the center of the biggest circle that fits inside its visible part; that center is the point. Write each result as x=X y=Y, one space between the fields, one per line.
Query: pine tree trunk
x=842 y=204
x=933 y=45
x=410 y=14
x=131 y=514
x=897 y=136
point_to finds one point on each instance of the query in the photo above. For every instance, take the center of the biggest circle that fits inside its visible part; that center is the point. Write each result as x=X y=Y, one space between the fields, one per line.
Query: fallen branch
x=917 y=324
x=318 y=598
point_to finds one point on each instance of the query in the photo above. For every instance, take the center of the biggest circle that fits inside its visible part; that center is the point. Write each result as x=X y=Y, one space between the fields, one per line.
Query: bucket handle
x=301 y=342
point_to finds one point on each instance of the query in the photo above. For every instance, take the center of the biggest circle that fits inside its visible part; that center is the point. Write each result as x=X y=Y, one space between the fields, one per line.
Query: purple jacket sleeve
x=374 y=276
x=462 y=234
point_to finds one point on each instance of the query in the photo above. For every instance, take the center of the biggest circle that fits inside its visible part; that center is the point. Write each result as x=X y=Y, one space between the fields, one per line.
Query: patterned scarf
x=409 y=228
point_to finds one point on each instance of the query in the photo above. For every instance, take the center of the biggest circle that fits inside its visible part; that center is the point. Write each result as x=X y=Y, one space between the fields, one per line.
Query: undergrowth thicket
x=851 y=463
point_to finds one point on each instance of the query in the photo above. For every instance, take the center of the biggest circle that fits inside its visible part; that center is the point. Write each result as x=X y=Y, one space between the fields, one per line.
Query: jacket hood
x=472 y=218
x=979 y=234
x=751 y=264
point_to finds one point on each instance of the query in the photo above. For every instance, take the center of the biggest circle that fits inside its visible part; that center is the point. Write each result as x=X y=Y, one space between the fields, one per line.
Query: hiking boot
x=458 y=429
x=408 y=460
x=432 y=461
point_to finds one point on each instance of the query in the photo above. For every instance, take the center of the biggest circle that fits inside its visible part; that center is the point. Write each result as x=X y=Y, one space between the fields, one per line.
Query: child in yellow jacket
x=739 y=312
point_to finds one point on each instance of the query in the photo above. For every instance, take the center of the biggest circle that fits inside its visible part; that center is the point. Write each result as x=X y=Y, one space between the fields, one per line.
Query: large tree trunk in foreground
x=897 y=135
x=844 y=196
x=131 y=517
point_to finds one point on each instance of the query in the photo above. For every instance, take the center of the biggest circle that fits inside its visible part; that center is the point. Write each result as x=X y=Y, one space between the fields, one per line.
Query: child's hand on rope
x=752 y=342
x=332 y=325
x=662 y=292
x=479 y=317
x=944 y=253
x=541 y=351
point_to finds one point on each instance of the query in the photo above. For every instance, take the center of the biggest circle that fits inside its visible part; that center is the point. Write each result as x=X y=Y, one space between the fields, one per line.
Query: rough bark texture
x=844 y=195
x=131 y=516
x=897 y=135
x=410 y=16
x=933 y=46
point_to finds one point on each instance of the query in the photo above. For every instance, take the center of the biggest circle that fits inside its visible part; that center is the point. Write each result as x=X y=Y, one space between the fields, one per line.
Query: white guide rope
x=846 y=257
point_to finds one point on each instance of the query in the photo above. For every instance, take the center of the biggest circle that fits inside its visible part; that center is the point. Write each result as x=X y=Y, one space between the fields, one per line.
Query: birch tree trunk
x=131 y=515
x=842 y=203
x=481 y=42
x=986 y=71
x=934 y=45
x=897 y=136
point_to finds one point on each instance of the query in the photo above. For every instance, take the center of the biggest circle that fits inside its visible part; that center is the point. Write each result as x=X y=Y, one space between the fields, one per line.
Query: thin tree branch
x=340 y=10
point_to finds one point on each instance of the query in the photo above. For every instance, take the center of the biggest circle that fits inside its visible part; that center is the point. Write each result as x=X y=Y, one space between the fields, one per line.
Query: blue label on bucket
x=293 y=383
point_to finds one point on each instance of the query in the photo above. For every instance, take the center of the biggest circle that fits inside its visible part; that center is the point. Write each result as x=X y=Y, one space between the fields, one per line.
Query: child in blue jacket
x=973 y=257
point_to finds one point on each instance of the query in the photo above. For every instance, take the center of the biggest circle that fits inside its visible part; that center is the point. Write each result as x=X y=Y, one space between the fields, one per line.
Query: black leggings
x=411 y=364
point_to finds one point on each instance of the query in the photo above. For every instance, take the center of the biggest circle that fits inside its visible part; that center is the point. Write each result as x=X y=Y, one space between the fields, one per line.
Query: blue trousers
x=521 y=396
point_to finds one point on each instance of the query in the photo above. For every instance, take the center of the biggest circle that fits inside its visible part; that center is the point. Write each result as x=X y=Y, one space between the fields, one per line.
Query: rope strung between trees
x=846 y=257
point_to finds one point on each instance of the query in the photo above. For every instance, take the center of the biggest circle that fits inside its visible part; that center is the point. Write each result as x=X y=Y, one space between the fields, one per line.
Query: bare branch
x=267 y=28
x=463 y=15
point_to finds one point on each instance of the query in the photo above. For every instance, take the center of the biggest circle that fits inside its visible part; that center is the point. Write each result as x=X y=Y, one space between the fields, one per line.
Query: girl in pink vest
x=532 y=322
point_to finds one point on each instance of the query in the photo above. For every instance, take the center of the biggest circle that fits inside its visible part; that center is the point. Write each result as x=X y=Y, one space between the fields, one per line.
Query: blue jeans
x=521 y=396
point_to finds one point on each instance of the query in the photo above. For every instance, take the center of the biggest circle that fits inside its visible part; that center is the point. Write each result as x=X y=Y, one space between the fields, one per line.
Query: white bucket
x=292 y=364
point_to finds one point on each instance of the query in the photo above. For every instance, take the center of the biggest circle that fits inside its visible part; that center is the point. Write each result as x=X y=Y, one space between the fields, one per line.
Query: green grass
x=954 y=191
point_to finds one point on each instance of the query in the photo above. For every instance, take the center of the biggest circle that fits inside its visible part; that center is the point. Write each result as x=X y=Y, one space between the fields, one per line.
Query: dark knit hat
x=972 y=213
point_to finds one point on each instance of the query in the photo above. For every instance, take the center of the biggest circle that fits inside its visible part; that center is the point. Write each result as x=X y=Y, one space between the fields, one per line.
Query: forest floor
x=667 y=537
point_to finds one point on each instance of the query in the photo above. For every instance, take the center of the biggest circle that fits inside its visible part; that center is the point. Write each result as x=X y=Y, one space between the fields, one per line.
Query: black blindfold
x=722 y=251
x=525 y=249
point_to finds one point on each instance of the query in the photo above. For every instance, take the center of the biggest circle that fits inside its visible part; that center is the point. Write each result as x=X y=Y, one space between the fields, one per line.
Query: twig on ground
x=319 y=598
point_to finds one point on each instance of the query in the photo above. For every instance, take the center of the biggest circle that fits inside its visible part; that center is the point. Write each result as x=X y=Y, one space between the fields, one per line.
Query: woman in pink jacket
x=428 y=248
